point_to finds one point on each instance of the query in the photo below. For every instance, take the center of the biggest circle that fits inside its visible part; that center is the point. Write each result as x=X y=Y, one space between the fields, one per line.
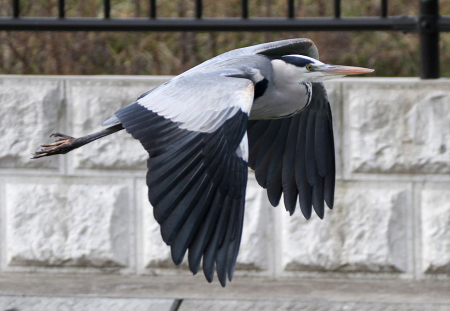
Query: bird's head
x=300 y=68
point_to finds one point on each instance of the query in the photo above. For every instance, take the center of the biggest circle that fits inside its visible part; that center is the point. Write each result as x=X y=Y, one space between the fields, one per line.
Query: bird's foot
x=62 y=145
x=66 y=143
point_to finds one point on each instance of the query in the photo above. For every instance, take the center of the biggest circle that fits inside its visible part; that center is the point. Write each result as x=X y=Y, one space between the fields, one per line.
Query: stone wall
x=87 y=211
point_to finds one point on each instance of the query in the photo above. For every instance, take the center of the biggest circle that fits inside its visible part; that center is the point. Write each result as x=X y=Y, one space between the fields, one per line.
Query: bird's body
x=262 y=107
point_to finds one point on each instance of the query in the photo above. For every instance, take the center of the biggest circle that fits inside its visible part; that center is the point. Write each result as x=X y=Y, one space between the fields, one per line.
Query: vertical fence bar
x=337 y=8
x=198 y=9
x=61 y=10
x=384 y=8
x=244 y=4
x=107 y=8
x=16 y=8
x=291 y=9
x=429 y=39
x=152 y=9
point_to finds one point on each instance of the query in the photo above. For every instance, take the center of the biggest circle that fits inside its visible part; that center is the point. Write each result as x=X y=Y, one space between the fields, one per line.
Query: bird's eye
x=309 y=67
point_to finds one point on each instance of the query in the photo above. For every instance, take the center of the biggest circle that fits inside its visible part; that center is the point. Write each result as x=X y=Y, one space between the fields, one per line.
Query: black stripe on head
x=297 y=60
x=260 y=88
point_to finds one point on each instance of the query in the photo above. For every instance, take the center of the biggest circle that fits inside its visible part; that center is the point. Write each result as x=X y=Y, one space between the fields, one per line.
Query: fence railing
x=428 y=23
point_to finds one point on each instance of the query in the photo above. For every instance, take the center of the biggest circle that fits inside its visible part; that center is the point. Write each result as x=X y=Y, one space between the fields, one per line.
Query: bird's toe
x=61 y=145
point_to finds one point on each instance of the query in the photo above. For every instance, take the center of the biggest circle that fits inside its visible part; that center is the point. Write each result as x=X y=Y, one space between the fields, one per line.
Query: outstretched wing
x=194 y=130
x=295 y=156
x=301 y=46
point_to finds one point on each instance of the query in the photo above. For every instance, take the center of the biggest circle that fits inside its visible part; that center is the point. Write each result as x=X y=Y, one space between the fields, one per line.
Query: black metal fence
x=428 y=23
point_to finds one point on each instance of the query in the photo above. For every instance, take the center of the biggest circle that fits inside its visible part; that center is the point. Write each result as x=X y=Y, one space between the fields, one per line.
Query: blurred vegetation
x=164 y=53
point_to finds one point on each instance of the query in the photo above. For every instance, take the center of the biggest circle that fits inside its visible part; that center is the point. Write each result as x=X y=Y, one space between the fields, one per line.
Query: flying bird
x=262 y=107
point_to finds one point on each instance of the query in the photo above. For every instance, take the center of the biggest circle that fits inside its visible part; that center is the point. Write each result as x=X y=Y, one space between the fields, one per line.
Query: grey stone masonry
x=49 y=234
x=401 y=127
x=87 y=212
x=31 y=108
x=366 y=232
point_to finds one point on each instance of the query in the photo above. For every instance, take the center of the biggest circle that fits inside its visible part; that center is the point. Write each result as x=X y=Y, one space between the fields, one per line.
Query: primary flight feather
x=262 y=107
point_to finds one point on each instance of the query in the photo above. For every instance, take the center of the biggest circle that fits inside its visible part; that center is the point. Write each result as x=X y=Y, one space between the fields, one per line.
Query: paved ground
x=23 y=292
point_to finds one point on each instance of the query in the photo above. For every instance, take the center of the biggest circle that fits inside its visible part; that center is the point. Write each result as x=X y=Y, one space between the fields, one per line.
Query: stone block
x=67 y=224
x=29 y=112
x=93 y=101
x=398 y=126
x=435 y=219
x=256 y=251
x=365 y=232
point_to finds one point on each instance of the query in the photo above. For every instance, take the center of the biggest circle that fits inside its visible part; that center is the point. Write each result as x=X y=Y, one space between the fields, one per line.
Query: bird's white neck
x=286 y=73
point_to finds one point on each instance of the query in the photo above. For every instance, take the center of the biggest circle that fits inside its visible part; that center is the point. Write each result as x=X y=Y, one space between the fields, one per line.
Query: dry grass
x=390 y=53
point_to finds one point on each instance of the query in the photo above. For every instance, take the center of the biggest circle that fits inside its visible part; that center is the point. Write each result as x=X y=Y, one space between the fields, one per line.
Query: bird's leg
x=65 y=143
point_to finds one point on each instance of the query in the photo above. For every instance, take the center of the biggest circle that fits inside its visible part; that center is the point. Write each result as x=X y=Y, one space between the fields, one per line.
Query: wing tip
x=177 y=256
x=194 y=265
x=274 y=199
x=306 y=213
x=222 y=279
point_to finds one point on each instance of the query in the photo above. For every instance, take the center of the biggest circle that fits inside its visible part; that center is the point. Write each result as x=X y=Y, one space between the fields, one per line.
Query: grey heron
x=262 y=107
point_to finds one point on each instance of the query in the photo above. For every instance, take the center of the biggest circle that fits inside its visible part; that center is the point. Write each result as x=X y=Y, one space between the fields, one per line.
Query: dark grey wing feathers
x=196 y=185
x=323 y=142
x=317 y=197
x=205 y=230
x=191 y=219
x=310 y=148
x=265 y=152
x=213 y=250
x=274 y=173
x=301 y=179
x=255 y=132
x=296 y=155
x=290 y=190
x=330 y=179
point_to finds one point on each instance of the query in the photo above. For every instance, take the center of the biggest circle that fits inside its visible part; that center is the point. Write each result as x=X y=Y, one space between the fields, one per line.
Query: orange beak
x=342 y=70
